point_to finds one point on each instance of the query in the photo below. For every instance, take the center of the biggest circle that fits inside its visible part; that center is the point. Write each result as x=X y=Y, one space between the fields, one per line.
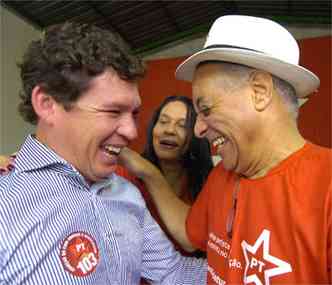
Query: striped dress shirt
x=57 y=229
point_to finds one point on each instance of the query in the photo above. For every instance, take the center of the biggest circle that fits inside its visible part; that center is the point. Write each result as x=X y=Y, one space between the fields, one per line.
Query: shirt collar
x=34 y=155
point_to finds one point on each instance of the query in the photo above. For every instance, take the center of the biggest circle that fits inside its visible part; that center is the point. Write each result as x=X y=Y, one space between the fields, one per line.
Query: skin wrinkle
x=236 y=75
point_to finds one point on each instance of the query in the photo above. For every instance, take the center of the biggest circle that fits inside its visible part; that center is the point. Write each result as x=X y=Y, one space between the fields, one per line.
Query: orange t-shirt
x=282 y=224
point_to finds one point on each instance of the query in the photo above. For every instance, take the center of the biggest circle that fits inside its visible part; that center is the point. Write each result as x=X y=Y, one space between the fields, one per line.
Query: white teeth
x=112 y=149
x=218 y=141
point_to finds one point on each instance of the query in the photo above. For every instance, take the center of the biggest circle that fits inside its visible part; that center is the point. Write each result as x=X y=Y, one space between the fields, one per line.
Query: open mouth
x=168 y=143
x=219 y=141
x=112 y=150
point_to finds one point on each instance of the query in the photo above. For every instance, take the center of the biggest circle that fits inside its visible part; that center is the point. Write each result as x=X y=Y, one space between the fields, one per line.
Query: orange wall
x=315 y=115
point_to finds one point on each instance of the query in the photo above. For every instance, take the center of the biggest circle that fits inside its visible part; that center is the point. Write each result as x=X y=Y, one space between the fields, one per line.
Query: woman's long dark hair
x=197 y=159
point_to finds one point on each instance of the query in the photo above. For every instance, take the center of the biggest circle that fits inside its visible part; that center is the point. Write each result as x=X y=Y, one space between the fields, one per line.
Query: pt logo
x=260 y=265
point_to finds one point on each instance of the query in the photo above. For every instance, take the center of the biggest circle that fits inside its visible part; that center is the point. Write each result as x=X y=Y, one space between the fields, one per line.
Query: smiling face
x=225 y=116
x=170 y=140
x=104 y=117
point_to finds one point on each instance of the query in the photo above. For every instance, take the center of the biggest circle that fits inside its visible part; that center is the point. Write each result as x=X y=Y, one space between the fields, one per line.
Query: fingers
x=6 y=164
x=135 y=163
x=125 y=156
x=4 y=160
x=129 y=159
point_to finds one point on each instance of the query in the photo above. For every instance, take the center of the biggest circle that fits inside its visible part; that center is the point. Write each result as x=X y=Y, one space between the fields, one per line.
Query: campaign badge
x=79 y=254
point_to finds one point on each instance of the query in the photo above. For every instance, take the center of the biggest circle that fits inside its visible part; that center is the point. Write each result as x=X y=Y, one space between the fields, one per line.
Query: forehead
x=206 y=83
x=175 y=109
x=108 y=89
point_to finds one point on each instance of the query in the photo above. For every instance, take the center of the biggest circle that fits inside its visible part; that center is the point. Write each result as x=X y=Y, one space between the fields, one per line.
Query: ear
x=43 y=104
x=262 y=86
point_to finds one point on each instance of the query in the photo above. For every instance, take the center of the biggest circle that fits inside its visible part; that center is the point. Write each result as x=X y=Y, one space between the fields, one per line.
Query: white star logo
x=282 y=267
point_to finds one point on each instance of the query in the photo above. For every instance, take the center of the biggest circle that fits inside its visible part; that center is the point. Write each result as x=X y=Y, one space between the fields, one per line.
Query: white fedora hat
x=255 y=42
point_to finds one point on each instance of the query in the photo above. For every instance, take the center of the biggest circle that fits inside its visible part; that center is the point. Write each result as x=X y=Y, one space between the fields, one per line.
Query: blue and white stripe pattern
x=45 y=199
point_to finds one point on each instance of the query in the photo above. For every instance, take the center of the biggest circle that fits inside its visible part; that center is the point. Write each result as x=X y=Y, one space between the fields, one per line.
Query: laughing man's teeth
x=218 y=141
x=112 y=149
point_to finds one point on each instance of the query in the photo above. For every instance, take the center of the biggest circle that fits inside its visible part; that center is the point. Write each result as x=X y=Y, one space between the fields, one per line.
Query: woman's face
x=170 y=132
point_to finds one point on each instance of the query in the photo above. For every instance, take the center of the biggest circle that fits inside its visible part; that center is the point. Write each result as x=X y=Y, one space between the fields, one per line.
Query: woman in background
x=183 y=159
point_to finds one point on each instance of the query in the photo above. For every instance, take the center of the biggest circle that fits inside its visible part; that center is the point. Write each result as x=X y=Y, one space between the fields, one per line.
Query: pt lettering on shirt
x=259 y=265
x=221 y=248
x=218 y=245
x=216 y=278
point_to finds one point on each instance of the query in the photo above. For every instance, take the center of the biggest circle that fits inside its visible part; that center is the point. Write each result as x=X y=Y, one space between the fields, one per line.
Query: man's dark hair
x=197 y=159
x=65 y=60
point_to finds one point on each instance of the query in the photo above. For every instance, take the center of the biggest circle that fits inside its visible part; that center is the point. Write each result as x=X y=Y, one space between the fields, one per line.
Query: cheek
x=214 y=122
x=183 y=138
x=156 y=132
x=155 y=136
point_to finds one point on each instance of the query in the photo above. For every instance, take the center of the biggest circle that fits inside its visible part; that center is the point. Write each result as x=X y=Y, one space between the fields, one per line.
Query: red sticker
x=79 y=254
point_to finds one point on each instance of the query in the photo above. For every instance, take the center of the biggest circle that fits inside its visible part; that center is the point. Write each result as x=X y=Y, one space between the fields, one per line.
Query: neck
x=274 y=147
x=173 y=172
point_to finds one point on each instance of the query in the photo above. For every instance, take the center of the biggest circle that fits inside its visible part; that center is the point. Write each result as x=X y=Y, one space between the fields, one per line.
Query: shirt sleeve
x=162 y=264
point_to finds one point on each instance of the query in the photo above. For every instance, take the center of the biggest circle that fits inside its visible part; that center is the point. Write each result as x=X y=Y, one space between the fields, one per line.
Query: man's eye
x=112 y=113
x=182 y=125
x=136 y=114
x=205 y=111
x=162 y=122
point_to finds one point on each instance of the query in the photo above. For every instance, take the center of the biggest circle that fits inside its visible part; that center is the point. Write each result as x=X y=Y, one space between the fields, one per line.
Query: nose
x=128 y=128
x=170 y=128
x=200 y=128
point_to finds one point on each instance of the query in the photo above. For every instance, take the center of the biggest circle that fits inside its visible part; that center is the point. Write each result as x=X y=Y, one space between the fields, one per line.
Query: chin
x=105 y=172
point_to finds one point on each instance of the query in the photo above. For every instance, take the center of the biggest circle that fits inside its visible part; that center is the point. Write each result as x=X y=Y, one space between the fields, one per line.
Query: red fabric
x=282 y=226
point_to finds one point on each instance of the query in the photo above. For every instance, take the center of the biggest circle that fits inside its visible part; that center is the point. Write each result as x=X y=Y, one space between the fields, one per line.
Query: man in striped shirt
x=65 y=217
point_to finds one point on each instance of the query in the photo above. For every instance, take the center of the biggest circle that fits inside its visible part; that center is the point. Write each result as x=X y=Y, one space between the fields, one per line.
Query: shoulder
x=123 y=190
x=317 y=150
x=315 y=160
x=123 y=172
x=218 y=176
x=310 y=173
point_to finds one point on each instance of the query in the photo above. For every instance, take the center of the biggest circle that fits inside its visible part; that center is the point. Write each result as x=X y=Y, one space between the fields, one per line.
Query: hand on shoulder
x=136 y=164
x=5 y=164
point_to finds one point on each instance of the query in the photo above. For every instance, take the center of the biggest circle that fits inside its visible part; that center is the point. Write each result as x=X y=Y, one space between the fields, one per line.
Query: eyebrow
x=119 y=105
x=169 y=117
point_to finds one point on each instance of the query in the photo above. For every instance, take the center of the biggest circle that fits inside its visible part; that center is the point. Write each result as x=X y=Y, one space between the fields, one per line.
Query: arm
x=162 y=265
x=172 y=210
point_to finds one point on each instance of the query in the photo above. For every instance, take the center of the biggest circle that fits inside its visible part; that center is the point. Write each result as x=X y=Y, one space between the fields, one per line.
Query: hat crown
x=257 y=34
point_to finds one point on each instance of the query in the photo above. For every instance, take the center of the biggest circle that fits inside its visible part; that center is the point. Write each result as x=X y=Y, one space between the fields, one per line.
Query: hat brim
x=303 y=80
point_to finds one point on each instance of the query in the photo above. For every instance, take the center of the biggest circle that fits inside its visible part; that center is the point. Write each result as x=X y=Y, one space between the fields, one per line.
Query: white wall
x=15 y=35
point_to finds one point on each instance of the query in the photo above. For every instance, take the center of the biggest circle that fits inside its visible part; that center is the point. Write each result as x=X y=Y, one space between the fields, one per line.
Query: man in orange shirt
x=265 y=213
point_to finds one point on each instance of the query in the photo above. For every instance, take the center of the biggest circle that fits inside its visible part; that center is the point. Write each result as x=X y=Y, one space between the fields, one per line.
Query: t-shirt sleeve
x=197 y=220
